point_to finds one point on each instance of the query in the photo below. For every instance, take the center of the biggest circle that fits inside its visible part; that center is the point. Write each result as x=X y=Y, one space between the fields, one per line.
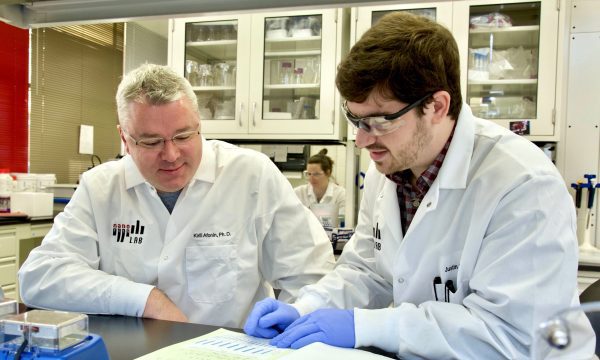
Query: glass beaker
x=191 y=72
x=205 y=75
x=201 y=33
x=222 y=73
x=211 y=34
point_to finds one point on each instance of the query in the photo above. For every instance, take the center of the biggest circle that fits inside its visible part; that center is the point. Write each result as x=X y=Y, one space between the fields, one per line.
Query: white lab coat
x=334 y=194
x=236 y=229
x=498 y=221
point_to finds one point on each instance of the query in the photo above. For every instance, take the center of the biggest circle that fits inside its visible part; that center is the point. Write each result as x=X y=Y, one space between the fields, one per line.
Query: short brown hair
x=404 y=57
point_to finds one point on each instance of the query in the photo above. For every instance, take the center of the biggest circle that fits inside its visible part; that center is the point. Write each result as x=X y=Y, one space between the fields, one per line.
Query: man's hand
x=330 y=326
x=159 y=306
x=269 y=318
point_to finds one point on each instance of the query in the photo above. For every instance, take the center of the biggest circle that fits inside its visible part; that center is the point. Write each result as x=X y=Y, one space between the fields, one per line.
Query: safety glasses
x=380 y=125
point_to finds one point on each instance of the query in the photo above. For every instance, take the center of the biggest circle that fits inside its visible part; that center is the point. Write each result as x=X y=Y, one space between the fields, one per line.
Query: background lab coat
x=334 y=194
x=237 y=227
x=498 y=221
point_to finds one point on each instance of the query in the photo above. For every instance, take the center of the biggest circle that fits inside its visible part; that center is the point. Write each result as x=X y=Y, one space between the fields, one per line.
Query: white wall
x=581 y=136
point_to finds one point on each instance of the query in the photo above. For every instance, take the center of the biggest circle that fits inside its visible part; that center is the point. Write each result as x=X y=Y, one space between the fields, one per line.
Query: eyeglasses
x=313 y=174
x=158 y=143
x=380 y=125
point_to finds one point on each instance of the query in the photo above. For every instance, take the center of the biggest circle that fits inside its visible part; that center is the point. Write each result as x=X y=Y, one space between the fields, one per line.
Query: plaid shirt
x=409 y=196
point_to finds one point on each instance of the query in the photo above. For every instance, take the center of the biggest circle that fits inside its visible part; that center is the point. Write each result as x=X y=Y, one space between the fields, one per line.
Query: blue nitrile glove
x=269 y=318
x=330 y=326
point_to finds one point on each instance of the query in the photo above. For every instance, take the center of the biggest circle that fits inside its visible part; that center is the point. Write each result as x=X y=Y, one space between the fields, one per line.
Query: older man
x=181 y=227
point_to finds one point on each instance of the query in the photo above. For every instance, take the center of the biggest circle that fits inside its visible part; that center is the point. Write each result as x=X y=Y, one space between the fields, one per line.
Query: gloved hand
x=330 y=326
x=269 y=317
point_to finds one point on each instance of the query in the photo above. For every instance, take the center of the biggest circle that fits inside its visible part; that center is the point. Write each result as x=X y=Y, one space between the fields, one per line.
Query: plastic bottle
x=299 y=76
x=6 y=186
x=286 y=72
x=307 y=112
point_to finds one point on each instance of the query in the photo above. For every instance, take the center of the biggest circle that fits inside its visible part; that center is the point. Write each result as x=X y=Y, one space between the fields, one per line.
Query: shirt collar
x=454 y=174
x=207 y=171
x=328 y=192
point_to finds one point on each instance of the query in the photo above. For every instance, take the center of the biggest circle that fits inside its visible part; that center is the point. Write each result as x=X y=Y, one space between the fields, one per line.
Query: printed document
x=223 y=344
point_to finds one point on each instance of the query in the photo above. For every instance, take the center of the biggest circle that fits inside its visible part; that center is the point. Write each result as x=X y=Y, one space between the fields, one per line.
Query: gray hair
x=152 y=84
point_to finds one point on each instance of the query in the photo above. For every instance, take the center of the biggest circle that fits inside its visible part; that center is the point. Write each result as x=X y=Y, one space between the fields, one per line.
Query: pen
x=436 y=281
x=449 y=288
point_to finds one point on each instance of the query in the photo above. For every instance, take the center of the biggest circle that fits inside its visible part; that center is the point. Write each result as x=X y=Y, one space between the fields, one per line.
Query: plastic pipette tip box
x=47 y=330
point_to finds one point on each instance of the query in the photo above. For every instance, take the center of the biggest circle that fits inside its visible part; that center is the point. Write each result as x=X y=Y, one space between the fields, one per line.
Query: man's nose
x=170 y=151
x=364 y=139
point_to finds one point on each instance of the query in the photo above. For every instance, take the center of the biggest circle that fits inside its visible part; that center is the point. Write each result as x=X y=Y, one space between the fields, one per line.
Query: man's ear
x=441 y=106
x=122 y=136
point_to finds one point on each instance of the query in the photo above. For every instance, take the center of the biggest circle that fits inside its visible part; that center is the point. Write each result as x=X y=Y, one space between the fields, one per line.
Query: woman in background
x=321 y=189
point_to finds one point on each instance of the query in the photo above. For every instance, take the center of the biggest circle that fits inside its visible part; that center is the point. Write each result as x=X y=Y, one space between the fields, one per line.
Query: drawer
x=8 y=243
x=10 y=292
x=40 y=230
x=8 y=273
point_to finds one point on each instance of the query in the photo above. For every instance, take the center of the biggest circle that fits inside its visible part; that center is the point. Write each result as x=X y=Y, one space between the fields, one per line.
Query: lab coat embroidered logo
x=377 y=236
x=132 y=232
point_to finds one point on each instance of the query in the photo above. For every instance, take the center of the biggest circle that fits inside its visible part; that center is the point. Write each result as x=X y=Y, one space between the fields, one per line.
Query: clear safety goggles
x=380 y=125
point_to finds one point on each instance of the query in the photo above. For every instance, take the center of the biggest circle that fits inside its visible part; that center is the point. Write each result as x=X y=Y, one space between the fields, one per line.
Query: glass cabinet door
x=210 y=66
x=297 y=66
x=366 y=16
x=207 y=51
x=503 y=60
x=510 y=63
x=292 y=67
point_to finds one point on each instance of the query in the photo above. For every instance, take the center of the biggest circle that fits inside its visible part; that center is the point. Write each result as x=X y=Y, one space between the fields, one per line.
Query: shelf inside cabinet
x=504 y=37
x=218 y=49
x=292 y=86
x=302 y=46
x=292 y=53
x=213 y=88
x=507 y=29
x=316 y=39
x=504 y=82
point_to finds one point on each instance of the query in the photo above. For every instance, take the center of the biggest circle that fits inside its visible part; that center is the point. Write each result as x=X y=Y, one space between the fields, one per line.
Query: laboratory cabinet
x=265 y=75
x=508 y=56
x=14 y=248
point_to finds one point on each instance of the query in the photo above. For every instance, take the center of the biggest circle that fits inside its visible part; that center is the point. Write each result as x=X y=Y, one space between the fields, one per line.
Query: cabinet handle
x=254 y=113
x=240 y=114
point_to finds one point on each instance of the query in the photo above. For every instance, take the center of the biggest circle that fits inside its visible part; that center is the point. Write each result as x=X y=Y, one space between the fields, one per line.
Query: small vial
x=286 y=72
x=299 y=76
x=4 y=203
x=306 y=113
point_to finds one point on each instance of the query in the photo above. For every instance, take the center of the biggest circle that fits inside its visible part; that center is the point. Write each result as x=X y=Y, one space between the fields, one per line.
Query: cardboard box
x=34 y=204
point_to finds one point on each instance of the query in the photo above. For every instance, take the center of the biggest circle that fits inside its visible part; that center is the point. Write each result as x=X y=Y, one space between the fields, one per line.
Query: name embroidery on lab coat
x=133 y=233
x=450 y=268
x=211 y=234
